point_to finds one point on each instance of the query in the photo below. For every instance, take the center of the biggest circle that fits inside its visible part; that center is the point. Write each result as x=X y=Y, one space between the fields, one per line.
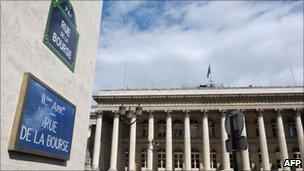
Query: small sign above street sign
x=68 y=10
x=238 y=122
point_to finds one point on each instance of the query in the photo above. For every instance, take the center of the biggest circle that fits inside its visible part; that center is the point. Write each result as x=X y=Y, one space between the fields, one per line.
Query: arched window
x=256 y=128
x=144 y=129
x=161 y=129
x=274 y=127
x=178 y=159
x=292 y=128
x=195 y=159
x=126 y=158
x=296 y=155
x=211 y=128
x=194 y=129
x=161 y=158
x=278 y=159
x=213 y=162
x=178 y=129
x=144 y=158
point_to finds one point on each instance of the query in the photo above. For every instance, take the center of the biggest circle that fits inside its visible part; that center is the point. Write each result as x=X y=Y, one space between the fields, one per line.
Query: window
x=292 y=129
x=296 y=155
x=144 y=158
x=195 y=158
x=278 y=159
x=126 y=159
x=144 y=129
x=178 y=129
x=274 y=127
x=178 y=158
x=161 y=129
x=194 y=129
x=213 y=162
x=211 y=128
x=161 y=158
x=256 y=128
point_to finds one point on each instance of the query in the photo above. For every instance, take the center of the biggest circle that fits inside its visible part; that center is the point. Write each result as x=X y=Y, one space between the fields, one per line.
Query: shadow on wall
x=35 y=158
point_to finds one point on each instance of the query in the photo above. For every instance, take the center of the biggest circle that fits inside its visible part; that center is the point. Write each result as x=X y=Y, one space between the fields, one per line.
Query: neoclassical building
x=184 y=129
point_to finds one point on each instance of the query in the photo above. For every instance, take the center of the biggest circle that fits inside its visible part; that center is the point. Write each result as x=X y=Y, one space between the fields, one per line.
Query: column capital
x=151 y=113
x=99 y=113
x=131 y=114
x=223 y=112
x=187 y=113
x=138 y=110
x=297 y=111
x=278 y=112
x=259 y=112
x=204 y=113
x=122 y=109
x=116 y=114
x=168 y=113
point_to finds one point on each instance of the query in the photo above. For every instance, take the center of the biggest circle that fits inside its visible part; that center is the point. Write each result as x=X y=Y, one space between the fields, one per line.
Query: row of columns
x=187 y=141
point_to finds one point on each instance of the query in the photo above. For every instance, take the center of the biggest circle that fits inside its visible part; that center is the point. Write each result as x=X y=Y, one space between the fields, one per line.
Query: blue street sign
x=61 y=36
x=46 y=122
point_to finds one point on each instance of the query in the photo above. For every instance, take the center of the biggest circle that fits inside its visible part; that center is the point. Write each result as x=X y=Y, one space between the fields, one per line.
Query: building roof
x=201 y=91
x=209 y=98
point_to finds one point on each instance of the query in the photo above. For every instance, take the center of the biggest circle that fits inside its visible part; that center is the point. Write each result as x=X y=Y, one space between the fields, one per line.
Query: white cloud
x=245 y=42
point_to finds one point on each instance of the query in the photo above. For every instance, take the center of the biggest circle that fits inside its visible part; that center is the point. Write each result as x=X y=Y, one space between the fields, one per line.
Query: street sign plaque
x=44 y=121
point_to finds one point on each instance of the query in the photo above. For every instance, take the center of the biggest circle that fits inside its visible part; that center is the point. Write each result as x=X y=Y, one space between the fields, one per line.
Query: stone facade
x=22 y=50
x=183 y=129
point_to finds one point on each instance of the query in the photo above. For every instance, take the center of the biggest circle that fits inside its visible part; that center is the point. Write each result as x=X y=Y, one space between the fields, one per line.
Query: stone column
x=206 y=145
x=281 y=136
x=150 y=139
x=263 y=141
x=132 y=144
x=245 y=153
x=300 y=135
x=169 y=141
x=97 y=140
x=187 y=139
x=224 y=137
x=114 y=146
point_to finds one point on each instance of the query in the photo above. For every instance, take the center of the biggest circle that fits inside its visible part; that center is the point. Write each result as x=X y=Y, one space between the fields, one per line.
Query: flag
x=208 y=72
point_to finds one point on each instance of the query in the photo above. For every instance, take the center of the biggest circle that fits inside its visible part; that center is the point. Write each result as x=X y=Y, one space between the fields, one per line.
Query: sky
x=156 y=44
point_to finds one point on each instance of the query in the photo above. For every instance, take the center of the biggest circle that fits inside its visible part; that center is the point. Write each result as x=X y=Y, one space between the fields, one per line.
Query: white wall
x=22 y=50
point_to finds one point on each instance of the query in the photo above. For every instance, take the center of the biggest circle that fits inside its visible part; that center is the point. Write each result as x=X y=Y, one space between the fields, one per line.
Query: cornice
x=219 y=107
